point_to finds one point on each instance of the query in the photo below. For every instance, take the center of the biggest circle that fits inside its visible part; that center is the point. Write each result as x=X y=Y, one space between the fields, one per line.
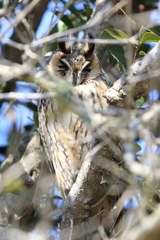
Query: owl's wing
x=67 y=139
x=43 y=130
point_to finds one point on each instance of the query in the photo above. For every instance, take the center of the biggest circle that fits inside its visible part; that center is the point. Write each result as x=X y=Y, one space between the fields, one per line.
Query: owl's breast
x=66 y=144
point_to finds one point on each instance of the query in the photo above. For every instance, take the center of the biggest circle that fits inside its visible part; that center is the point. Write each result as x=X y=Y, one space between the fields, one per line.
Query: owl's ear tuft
x=89 y=48
x=64 y=47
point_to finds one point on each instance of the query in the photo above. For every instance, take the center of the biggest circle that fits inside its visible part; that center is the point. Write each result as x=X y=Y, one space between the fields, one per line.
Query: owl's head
x=75 y=64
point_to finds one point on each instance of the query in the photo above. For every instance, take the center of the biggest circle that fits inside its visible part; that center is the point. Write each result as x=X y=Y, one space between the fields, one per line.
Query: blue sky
x=23 y=116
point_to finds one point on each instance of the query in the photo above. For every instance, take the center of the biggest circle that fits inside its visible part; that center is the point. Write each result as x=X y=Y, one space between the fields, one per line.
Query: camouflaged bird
x=66 y=138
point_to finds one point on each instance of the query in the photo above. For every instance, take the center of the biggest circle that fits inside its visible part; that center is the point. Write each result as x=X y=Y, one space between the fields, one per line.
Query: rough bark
x=14 y=208
x=134 y=83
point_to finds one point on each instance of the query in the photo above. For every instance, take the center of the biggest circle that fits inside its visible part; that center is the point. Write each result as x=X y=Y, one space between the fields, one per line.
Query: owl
x=67 y=138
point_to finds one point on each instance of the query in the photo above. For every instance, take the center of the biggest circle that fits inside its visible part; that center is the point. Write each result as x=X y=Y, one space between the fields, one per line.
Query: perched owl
x=66 y=138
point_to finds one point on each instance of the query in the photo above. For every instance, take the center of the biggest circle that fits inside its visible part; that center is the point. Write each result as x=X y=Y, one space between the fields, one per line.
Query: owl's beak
x=75 y=74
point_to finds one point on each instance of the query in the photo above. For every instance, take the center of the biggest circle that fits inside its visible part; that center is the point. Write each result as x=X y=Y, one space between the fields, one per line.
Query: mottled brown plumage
x=66 y=138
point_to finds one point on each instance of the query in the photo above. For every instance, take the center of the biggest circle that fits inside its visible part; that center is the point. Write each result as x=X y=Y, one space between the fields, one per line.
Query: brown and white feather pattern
x=65 y=138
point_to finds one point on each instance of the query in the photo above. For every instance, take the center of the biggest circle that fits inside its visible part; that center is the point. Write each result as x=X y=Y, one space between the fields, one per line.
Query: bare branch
x=13 y=95
x=107 y=11
x=17 y=206
x=21 y=16
x=135 y=81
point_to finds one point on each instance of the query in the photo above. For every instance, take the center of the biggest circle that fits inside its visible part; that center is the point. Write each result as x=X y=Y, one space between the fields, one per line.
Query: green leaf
x=113 y=33
x=62 y=26
x=67 y=21
x=113 y=191
x=142 y=54
x=155 y=31
x=144 y=30
x=118 y=58
x=150 y=208
x=29 y=105
x=54 y=29
x=3 y=150
x=106 y=178
x=35 y=118
x=149 y=37
x=116 y=55
x=15 y=187
x=52 y=47
x=77 y=14
x=2 y=86
x=148 y=189
x=7 y=87
x=150 y=2
x=139 y=102
x=88 y=8
x=143 y=49
x=137 y=147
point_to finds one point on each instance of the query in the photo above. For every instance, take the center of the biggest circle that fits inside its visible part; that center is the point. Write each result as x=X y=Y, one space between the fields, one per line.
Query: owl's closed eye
x=76 y=64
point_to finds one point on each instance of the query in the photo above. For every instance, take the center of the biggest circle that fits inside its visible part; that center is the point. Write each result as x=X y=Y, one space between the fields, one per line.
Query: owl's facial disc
x=78 y=68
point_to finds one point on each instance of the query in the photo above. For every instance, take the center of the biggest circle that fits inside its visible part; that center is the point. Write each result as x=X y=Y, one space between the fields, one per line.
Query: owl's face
x=74 y=64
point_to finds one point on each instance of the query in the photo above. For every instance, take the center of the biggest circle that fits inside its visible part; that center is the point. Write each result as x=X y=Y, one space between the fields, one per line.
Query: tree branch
x=13 y=207
x=37 y=12
x=134 y=83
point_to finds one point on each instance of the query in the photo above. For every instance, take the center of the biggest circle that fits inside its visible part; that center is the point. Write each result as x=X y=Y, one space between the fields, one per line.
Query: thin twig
x=106 y=12
x=14 y=95
x=71 y=230
x=20 y=16
x=96 y=41
x=61 y=13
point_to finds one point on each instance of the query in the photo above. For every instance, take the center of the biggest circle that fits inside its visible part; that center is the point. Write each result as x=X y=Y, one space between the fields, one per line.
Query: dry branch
x=16 y=207
x=34 y=16
x=134 y=83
